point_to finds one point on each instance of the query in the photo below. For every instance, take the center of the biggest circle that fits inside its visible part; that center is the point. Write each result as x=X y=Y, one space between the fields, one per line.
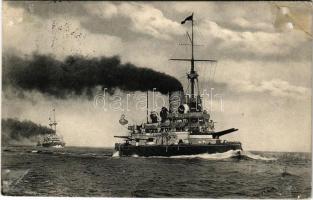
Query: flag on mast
x=188 y=18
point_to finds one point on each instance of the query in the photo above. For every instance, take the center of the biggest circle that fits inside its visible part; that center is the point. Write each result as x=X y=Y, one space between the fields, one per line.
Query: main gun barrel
x=216 y=135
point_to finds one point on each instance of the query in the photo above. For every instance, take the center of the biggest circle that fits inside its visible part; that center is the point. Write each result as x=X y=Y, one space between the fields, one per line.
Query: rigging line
x=198 y=86
x=200 y=35
x=182 y=78
x=204 y=76
x=181 y=38
x=210 y=73
x=206 y=72
x=214 y=73
x=188 y=86
x=200 y=32
x=187 y=83
x=198 y=39
x=186 y=46
x=199 y=69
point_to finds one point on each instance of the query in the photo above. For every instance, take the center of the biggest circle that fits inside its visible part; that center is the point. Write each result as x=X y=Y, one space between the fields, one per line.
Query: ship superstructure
x=52 y=139
x=184 y=128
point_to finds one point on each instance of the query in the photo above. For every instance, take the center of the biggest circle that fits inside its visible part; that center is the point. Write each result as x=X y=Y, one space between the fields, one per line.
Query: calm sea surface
x=73 y=171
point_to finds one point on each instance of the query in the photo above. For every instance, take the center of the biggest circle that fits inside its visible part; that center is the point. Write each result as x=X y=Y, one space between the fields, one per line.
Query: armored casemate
x=184 y=128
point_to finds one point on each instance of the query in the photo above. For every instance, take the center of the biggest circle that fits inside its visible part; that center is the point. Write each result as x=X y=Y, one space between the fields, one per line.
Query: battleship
x=52 y=139
x=185 y=128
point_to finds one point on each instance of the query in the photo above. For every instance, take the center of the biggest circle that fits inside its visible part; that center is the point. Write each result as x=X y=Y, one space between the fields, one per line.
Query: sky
x=263 y=73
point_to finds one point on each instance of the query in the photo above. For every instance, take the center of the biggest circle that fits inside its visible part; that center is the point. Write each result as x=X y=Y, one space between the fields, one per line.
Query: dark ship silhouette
x=184 y=129
x=52 y=140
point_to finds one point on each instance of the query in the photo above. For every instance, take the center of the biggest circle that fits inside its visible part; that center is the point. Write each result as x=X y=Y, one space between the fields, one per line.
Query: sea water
x=74 y=171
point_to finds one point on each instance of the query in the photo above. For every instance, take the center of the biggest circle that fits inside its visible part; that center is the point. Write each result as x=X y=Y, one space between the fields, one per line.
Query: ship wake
x=249 y=155
x=116 y=154
x=214 y=156
x=232 y=154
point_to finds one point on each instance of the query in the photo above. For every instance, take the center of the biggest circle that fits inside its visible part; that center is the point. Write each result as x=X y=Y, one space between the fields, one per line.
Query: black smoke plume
x=80 y=75
x=15 y=132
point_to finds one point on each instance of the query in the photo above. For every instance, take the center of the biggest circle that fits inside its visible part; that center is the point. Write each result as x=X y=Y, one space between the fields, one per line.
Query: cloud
x=225 y=12
x=105 y=10
x=274 y=87
x=56 y=35
x=144 y=18
x=255 y=44
x=240 y=23
x=242 y=34
x=149 y=20
x=234 y=33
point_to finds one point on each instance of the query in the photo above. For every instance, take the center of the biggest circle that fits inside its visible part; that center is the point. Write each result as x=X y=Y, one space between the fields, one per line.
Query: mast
x=192 y=75
x=192 y=70
x=147 y=106
x=54 y=123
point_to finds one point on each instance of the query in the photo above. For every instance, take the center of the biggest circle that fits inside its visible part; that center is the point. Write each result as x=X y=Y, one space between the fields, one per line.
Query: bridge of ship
x=193 y=122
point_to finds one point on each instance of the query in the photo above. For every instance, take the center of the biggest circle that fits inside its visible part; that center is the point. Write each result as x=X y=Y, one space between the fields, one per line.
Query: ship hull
x=174 y=150
x=55 y=145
